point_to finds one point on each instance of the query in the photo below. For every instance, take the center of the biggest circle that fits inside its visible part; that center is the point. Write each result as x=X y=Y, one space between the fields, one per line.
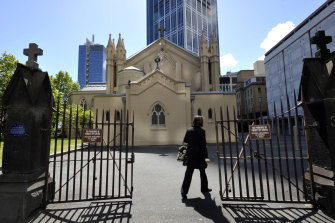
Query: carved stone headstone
x=317 y=90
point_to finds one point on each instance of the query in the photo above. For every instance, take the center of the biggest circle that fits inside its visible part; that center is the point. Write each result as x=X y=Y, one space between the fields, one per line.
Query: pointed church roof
x=157 y=42
x=160 y=72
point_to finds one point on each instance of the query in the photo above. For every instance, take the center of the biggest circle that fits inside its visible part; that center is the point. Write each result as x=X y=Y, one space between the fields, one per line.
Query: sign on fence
x=259 y=132
x=92 y=135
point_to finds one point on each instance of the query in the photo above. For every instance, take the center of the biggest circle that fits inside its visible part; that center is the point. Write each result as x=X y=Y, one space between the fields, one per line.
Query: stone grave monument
x=317 y=90
x=27 y=102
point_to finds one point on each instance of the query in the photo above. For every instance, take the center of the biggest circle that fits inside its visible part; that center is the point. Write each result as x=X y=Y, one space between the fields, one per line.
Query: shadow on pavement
x=207 y=208
x=265 y=213
x=117 y=211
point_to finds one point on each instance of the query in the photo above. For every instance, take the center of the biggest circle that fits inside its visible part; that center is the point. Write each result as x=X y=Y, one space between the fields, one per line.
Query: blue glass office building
x=91 y=64
x=184 y=21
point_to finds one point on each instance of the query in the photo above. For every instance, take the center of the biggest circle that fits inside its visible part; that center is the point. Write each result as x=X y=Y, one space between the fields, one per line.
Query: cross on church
x=321 y=41
x=157 y=60
x=161 y=30
x=32 y=52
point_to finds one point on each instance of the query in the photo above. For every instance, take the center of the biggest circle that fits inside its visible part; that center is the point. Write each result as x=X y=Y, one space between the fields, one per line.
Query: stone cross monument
x=32 y=52
x=27 y=102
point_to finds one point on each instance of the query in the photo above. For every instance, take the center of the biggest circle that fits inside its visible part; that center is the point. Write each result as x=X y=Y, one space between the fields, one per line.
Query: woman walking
x=196 y=156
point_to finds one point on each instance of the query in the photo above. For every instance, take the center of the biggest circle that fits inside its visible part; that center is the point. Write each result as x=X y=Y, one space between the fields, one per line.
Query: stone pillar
x=28 y=104
x=318 y=95
x=204 y=74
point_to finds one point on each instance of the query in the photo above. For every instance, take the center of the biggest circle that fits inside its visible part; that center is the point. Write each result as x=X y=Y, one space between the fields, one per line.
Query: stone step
x=321 y=176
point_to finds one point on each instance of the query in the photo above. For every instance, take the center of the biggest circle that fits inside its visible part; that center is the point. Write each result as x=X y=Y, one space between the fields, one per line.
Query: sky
x=247 y=28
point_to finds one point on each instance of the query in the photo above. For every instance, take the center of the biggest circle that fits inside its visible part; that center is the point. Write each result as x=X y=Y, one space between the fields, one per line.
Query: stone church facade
x=164 y=86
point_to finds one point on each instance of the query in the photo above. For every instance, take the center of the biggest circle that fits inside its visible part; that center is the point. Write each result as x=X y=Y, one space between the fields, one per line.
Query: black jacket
x=196 y=149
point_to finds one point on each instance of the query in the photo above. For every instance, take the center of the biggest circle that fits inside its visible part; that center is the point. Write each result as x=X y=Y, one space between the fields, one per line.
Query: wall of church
x=111 y=106
x=175 y=63
x=206 y=103
x=80 y=96
x=176 y=111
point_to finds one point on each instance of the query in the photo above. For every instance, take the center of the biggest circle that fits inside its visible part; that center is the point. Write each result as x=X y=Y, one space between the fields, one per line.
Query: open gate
x=100 y=168
x=270 y=170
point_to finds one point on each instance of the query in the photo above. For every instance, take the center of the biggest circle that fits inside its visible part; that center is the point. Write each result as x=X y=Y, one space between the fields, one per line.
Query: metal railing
x=270 y=170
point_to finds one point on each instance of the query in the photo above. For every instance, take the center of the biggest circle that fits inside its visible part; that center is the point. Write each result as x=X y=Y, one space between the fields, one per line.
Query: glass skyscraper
x=91 y=64
x=184 y=21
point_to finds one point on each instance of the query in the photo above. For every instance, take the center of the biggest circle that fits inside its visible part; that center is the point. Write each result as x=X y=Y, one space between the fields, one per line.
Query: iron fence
x=271 y=169
x=91 y=170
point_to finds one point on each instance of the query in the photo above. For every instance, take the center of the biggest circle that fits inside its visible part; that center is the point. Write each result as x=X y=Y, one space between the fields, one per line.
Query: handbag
x=181 y=153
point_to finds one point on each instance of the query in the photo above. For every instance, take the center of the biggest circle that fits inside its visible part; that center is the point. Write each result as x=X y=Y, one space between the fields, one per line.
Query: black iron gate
x=270 y=170
x=85 y=171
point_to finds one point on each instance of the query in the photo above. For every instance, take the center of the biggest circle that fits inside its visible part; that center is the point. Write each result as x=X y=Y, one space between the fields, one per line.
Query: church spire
x=110 y=48
x=119 y=42
x=109 y=40
x=120 y=54
x=214 y=46
x=213 y=38
x=110 y=66
x=203 y=47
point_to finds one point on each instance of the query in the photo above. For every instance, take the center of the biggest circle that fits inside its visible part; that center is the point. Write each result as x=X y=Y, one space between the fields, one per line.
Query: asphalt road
x=156 y=198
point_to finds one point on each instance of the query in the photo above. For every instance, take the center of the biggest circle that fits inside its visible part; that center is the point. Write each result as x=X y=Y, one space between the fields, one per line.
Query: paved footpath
x=157 y=180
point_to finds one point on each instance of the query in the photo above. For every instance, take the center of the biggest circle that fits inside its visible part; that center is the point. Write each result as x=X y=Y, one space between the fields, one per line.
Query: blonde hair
x=198 y=121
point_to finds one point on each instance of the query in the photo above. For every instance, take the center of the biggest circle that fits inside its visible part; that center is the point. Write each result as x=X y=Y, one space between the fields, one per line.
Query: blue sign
x=17 y=130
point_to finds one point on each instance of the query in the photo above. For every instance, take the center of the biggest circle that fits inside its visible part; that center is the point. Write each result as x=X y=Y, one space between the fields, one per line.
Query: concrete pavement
x=157 y=180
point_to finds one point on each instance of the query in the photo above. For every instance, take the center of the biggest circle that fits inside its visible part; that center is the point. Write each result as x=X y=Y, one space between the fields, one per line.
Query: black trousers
x=188 y=178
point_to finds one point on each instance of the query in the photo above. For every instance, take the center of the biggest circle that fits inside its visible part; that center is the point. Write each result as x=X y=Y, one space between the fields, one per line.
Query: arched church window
x=107 y=116
x=83 y=103
x=158 y=115
x=210 y=71
x=210 y=113
x=199 y=112
x=118 y=116
x=114 y=71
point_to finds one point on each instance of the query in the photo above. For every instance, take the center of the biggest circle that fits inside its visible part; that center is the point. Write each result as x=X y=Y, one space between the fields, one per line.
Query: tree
x=62 y=85
x=8 y=64
x=85 y=119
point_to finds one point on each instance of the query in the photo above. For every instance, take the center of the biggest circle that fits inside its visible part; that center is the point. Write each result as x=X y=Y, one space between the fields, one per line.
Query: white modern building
x=228 y=82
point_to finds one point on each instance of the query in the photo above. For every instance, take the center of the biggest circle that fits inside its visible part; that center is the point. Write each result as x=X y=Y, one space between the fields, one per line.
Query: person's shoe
x=207 y=190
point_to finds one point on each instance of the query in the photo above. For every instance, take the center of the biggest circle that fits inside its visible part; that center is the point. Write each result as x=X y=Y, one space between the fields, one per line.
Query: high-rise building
x=183 y=21
x=284 y=62
x=91 y=63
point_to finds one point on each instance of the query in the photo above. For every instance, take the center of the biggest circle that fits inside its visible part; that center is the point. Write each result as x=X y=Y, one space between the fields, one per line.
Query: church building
x=164 y=86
